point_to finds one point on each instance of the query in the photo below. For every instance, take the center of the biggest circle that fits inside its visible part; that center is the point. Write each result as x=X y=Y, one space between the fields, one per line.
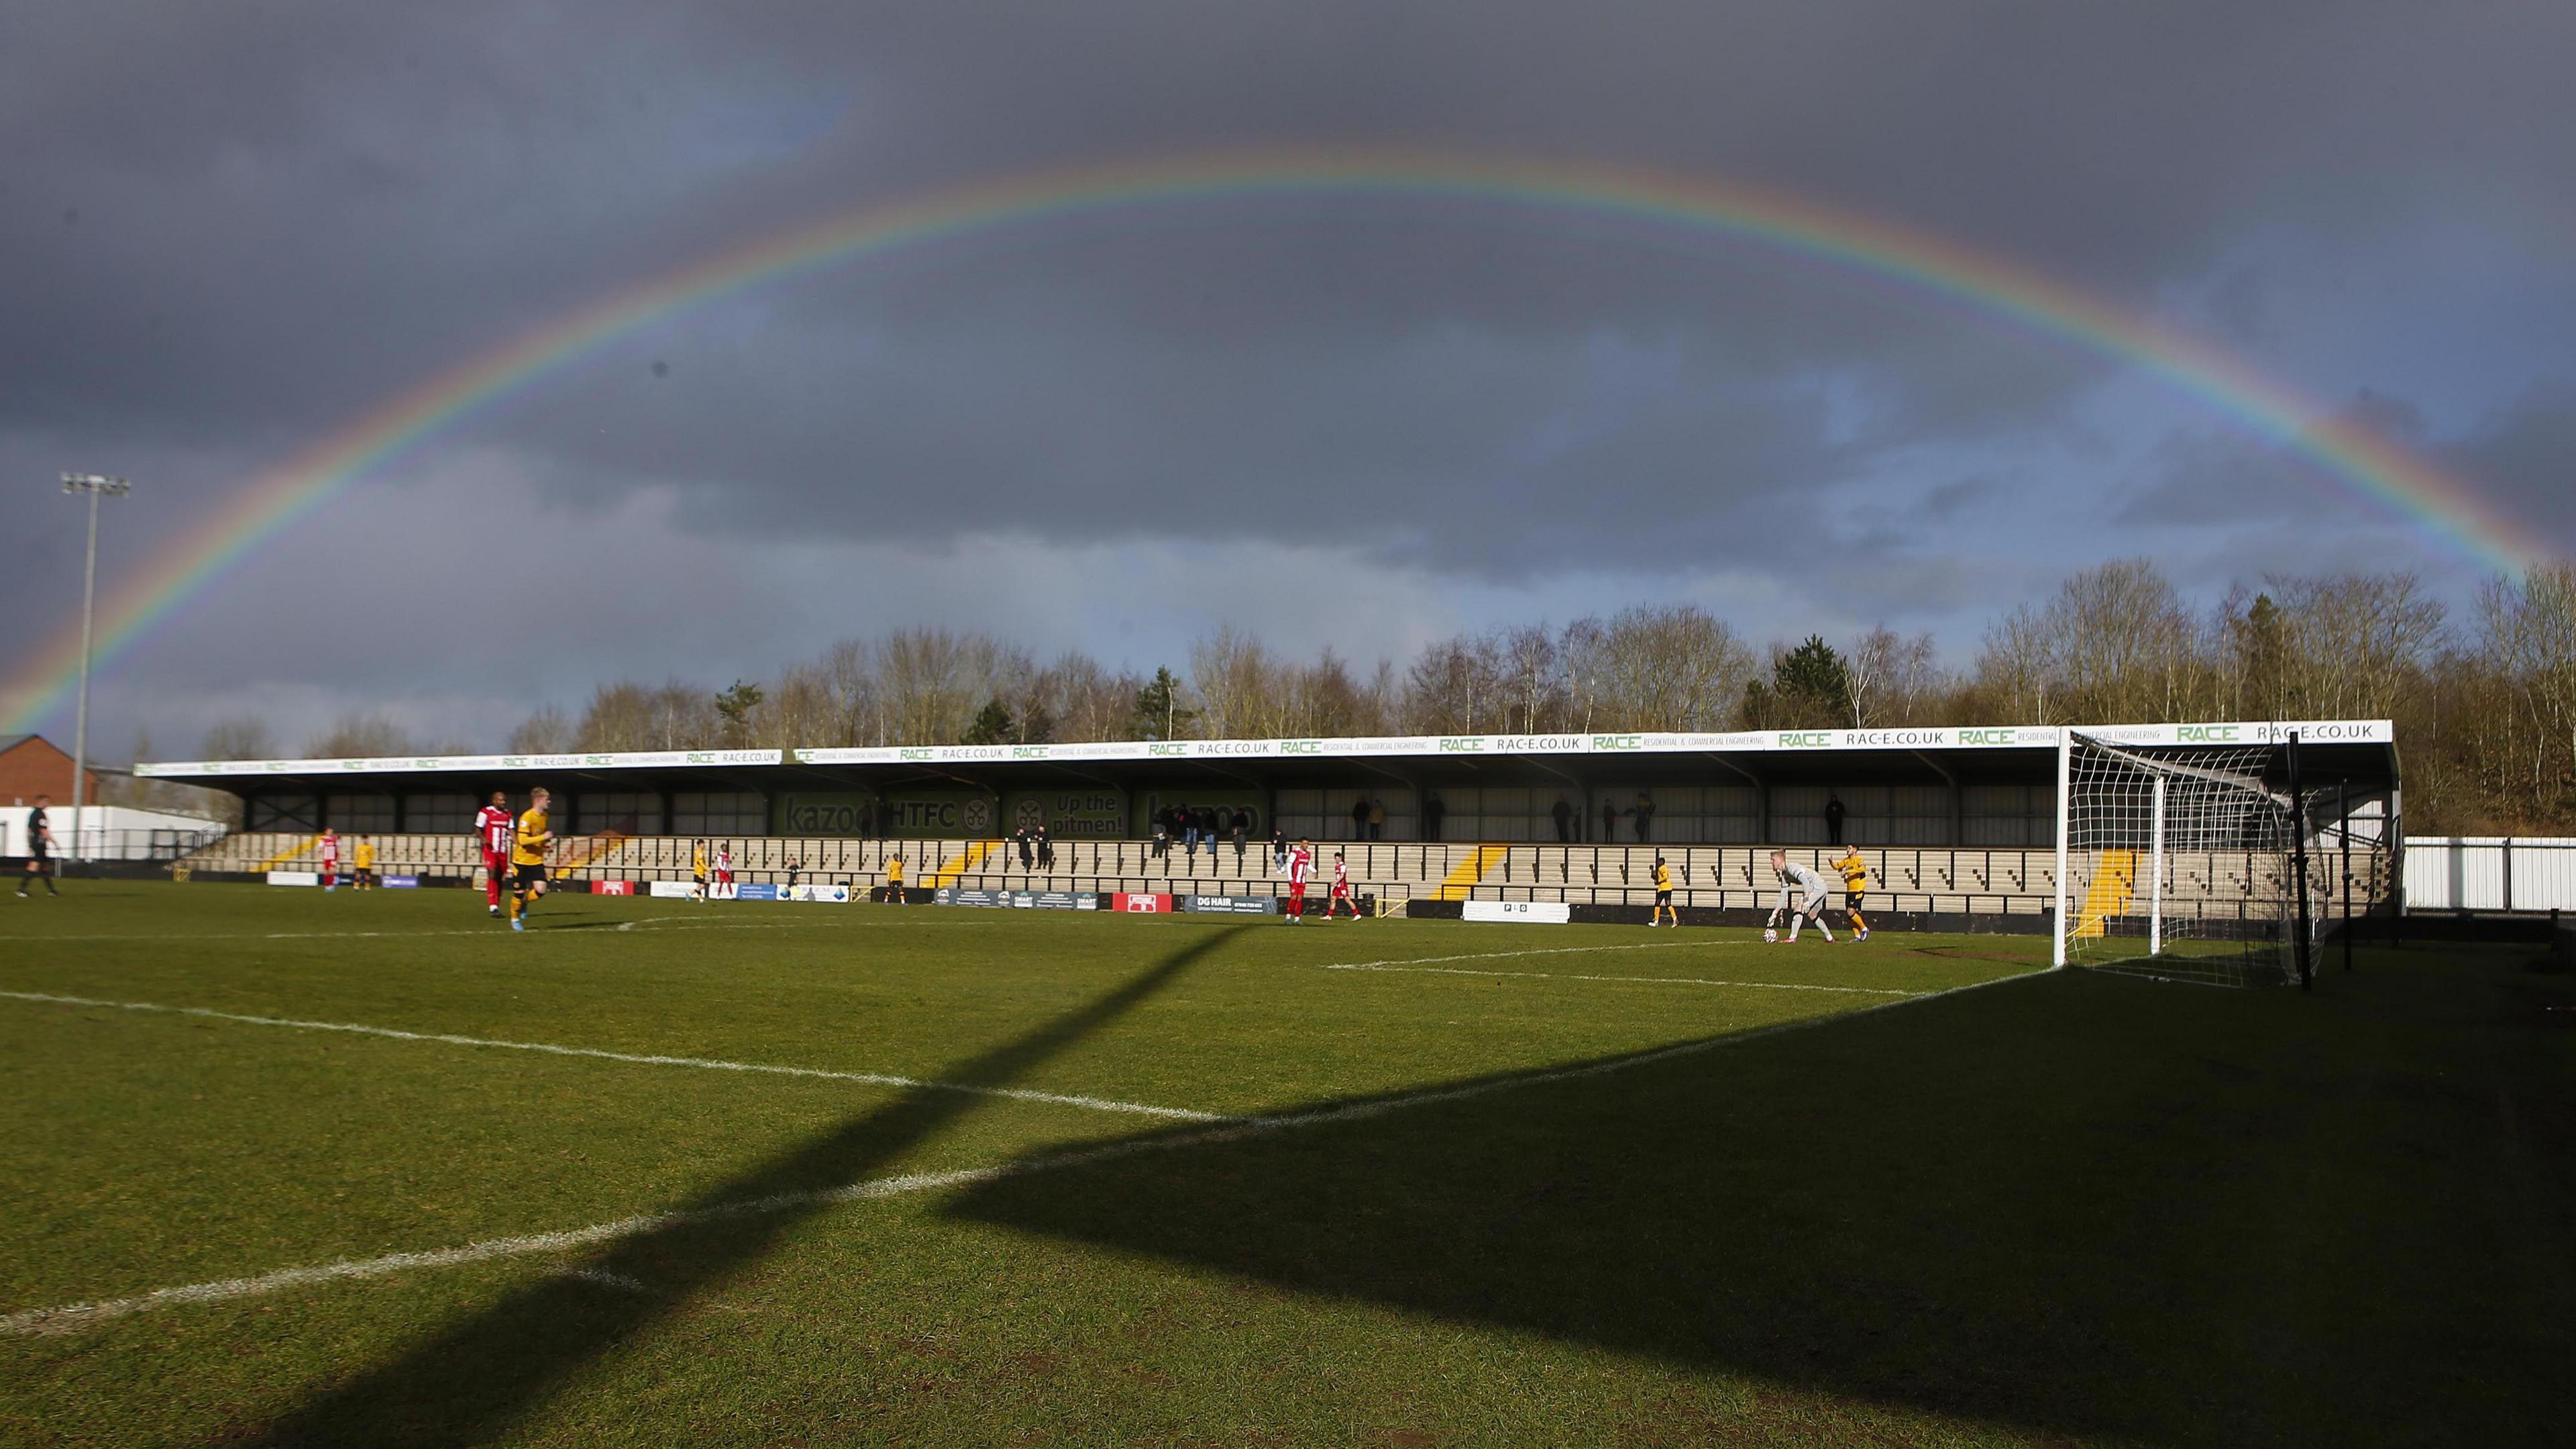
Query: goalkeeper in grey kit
x=1810 y=889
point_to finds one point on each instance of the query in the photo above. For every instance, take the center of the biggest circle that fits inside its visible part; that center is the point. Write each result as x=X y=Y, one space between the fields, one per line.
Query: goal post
x=2182 y=863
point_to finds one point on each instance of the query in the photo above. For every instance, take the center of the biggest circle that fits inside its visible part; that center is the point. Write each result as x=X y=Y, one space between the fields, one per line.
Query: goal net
x=2177 y=863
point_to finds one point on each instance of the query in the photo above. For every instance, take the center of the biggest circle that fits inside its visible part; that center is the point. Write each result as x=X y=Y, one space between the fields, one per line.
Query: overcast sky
x=227 y=229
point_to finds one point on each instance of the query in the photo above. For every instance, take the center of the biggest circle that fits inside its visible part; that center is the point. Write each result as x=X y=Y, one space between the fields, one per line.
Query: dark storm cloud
x=312 y=201
x=227 y=229
x=2525 y=455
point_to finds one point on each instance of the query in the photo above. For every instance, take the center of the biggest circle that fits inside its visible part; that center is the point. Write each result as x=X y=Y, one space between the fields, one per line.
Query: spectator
x=1189 y=824
x=1028 y=851
x=1433 y=811
x=1645 y=814
x=1609 y=822
x=1242 y=833
x=1833 y=818
x=1359 y=818
x=1376 y=818
x=1162 y=835
x=1564 y=814
x=1278 y=850
x=1046 y=848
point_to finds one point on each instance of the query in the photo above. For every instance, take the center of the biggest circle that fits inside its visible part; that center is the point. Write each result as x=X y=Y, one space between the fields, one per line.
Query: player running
x=1341 y=895
x=330 y=859
x=1811 y=889
x=529 y=840
x=492 y=832
x=1664 y=897
x=40 y=848
x=1855 y=874
x=1300 y=861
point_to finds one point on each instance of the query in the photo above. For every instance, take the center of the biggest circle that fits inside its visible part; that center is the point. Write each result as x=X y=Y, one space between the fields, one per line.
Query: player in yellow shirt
x=698 y=872
x=1855 y=874
x=894 y=880
x=366 y=863
x=1664 y=897
x=529 y=840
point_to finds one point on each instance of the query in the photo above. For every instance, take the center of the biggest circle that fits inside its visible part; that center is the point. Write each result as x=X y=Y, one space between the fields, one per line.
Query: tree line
x=2485 y=704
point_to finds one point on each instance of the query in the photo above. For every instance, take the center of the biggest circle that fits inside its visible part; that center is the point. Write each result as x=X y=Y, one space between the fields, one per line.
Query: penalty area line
x=76 y=1317
x=874 y=1079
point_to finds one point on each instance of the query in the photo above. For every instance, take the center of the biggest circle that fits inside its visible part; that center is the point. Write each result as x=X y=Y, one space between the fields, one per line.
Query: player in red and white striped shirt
x=492 y=827
x=1300 y=861
x=330 y=859
x=1341 y=895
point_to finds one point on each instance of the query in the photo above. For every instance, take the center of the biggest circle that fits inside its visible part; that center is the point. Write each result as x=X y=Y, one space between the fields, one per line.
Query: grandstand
x=1957 y=824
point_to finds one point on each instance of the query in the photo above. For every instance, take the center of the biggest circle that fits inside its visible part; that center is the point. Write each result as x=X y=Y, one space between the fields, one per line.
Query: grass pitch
x=1048 y=1178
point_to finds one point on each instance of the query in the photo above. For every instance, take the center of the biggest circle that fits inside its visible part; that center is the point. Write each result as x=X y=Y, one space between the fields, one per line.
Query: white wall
x=2490 y=873
x=113 y=832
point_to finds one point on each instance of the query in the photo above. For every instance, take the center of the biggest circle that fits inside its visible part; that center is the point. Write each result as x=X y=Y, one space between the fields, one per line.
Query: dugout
x=1931 y=787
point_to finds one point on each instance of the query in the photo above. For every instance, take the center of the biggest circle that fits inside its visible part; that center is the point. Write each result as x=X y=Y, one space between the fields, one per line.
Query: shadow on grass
x=2063 y=1205
x=476 y=1380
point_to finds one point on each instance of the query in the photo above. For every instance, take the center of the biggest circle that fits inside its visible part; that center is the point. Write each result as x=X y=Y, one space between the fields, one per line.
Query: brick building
x=30 y=765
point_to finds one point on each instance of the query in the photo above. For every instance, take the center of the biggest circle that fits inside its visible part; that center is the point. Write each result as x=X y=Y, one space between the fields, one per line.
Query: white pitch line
x=181 y=938
x=74 y=1317
x=1647 y=980
x=1427 y=964
x=1701 y=944
x=878 y=1079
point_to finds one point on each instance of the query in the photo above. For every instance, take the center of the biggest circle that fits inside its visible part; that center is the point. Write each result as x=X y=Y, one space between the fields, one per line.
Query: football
x=1769 y=936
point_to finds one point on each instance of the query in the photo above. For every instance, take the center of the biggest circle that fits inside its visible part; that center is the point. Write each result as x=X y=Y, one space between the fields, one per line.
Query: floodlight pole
x=96 y=487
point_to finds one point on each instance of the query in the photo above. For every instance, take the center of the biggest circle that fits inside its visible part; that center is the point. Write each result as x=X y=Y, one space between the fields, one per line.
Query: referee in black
x=40 y=849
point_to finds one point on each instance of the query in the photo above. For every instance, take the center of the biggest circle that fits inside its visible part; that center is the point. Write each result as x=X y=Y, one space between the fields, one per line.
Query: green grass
x=2064 y=1208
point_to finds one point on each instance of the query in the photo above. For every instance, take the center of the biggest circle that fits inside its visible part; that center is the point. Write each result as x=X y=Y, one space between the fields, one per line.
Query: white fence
x=2490 y=873
x=109 y=832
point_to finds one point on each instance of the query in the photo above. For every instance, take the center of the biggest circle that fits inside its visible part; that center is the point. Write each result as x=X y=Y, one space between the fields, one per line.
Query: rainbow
x=1797 y=227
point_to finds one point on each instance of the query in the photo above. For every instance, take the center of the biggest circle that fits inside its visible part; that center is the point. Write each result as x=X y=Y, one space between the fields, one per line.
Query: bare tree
x=1237 y=684
x=548 y=731
x=2528 y=647
x=1892 y=679
x=1090 y=702
x=1584 y=662
x=238 y=739
x=934 y=681
x=1533 y=679
x=2355 y=643
x=799 y=711
x=630 y=716
x=1671 y=668
x=358 y=736
x=1453 y=688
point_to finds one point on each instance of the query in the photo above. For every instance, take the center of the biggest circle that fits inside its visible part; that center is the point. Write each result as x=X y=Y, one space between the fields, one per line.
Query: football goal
x=2184 y=863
